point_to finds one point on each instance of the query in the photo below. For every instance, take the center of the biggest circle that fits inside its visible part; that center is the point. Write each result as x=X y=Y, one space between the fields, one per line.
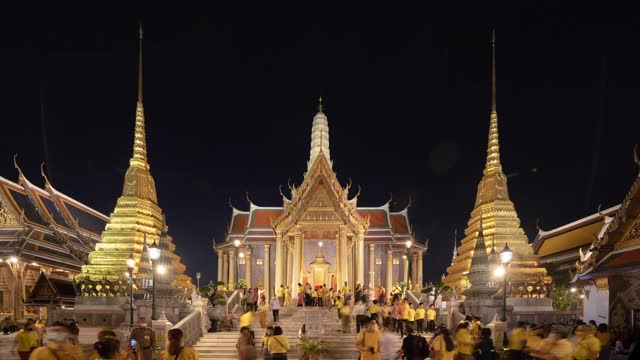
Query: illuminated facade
x=319 y=235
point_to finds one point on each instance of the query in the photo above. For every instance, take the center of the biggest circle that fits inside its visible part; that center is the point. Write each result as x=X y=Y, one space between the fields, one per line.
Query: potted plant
x=215 y=313
x=312 y=349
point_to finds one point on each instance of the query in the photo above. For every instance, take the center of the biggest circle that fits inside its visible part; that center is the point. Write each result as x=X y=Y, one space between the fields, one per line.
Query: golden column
x=232 y=269
x=220 y=260
x=389 y=272
x=360 y=259
x=17 y=270
x=289 y=264
x=225 y=269
x=414 y=268
x=279 y=260
x=344 y=268
x=247 y=266
x=406 y=269
x=297 y=252
x=372 y=266
x=267 y=264
x=420 y=269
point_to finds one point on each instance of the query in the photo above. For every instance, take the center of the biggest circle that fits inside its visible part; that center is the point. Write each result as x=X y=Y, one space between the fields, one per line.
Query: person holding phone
x=145 y=339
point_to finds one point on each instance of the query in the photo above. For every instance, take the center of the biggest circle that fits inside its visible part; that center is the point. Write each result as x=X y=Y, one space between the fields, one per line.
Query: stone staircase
x=221 y=345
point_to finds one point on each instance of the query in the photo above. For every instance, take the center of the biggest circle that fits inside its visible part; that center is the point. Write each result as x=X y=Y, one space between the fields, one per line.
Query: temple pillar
x=389 y=272
x=372 y=266
x=232 y=269
x=267 y=265
x=225 y=269
x=289 y=265
x=285 y=264
x=405 y=275
x=360 y=259
x=344 y=269
x=18 y=290
x=295 y=269
x=247 y=267
x=279 y=261
x=220 y=256
x=414 y=268
x=419 y=269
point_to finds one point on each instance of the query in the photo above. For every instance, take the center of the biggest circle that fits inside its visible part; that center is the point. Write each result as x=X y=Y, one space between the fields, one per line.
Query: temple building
x=501 y=224
x=43 y=232
x=607 y=270
x=319 y=235
x=137 y=222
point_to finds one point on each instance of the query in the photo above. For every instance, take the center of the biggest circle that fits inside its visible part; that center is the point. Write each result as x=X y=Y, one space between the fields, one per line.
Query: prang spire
x=493 y=147
x=139 y=158
x=319 y=136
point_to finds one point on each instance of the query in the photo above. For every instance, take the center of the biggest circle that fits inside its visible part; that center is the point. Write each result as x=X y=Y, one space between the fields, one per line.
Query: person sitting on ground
x=102 y=334
x=57 y=347
x=278 y=345
x=414 y=347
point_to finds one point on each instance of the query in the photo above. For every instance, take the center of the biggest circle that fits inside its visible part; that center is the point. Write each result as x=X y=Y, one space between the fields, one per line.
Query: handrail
x=413 y=298
x=231 y=301
x=191 y=327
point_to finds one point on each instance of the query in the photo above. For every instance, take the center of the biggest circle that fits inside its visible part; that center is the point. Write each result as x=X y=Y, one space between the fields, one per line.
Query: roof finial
x=320 y=107
x=493 y=70
x=140 y=64
x=455 y=242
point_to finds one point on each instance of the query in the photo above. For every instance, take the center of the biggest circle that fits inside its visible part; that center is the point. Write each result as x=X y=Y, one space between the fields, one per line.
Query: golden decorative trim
x=602 y=284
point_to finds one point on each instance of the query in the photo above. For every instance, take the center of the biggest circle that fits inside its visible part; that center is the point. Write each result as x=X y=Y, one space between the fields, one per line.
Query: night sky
x=230 y=92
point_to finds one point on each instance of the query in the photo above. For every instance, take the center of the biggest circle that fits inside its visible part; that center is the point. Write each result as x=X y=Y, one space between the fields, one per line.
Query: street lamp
x=198 y=279
x=154 y=254
x=131 y=262
x=505 y=258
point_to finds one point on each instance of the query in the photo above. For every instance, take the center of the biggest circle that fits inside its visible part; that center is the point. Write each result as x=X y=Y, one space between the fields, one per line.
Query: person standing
x=382 y=296
x=262 y=313
x=26 y=341
x=412 y=317
x=404 y=315
x=484 y=349
x=414 y=347
x=359 y=312
x=281 y=294
x=374 y=311
x=369 y=341
x=517 y=340
x=287 y=296
x=431 y=318
x=244 y=345
x=278 y=345
x=464 y=342
x=249 y=300
x=300 y=294
x=443 y=346
x=145 y=338
x=588 y=346
x=275 y=308
x=345 y=293
x=604 y=337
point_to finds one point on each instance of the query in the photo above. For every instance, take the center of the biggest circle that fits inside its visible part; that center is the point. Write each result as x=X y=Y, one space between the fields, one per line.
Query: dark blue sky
x=231 y=90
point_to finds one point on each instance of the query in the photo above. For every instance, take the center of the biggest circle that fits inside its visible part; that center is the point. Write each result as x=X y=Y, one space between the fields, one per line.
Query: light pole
x=198 y=279
x=505 y=258
x=236 y=243
x=131 y=262
x=154 y=254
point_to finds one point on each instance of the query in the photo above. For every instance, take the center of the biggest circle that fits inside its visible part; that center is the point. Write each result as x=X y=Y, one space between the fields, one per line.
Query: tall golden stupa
x=500 y=222
x=136 y=218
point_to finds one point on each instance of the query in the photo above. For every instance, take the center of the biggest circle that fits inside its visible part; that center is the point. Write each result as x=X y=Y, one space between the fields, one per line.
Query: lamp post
x=505 y=258
x=236 y=243
x=154 y=254
x=131 y=262
x=198 y=280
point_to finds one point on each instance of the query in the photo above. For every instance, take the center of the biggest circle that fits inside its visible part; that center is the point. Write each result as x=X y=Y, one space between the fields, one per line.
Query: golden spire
x=493 y=148
x=139 y=158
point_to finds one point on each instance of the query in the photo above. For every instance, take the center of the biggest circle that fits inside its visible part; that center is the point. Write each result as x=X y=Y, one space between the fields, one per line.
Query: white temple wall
x=596 y=307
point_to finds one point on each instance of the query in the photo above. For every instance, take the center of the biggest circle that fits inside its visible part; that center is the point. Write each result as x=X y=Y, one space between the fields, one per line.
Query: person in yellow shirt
x=339 y=305
x=57 y=348
x=534 y=339
x=287 y=296
x=517 y=340
x=556 y=346
x=412 y=317
x=404 y=315
x=588 y=347
x=265 y=342
x=104 y=333
x=431 y=319
x=314 y=297
x=345 y=317
x=278 y=344
x=465 y=342
x=443 y=346
x=476 y=327
x=246 y=319
x=26 y=341
x=420 y=317
x=280 y=294
x=345 y=293
x=176 y=349
x=374 y=309
x=369 y=341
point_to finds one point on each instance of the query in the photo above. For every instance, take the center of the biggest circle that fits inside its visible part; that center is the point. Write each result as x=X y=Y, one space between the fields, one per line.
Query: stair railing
x=191 y=327
x=232 y=302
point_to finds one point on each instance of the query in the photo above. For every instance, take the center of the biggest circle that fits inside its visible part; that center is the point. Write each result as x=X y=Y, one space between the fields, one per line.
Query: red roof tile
x=399 y=224
x=378 y=218
x=239 y=224
x=263 y=217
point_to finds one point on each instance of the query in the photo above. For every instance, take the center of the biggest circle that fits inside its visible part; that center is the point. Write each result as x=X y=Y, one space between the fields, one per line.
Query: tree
x=563 y=298
x=211 y=292
x=436 y=290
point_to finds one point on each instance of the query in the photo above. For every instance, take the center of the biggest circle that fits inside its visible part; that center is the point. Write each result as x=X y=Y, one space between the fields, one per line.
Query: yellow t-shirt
x=278 y=344
x=246 y=319
x=93 y=355
x=280 y=292
x=412 y=314
x=419 y=314
x=370 y=339
x=314 y=294
x=440 y=346
x=533 y=341
x=586 y=345
x=374 y=309
x=27 y=340
x=562 y=350
x=518 y=336
x=187 y=353
x=405 y=312
x=431 y=314
x=345 y=290
x=464 y=342
x=339 y=304
x=265 y=340
x=475 y=329
x=300 y=289
x=46 y=352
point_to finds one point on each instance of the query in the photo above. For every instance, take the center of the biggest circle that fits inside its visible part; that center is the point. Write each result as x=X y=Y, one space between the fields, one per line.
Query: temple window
x=258 y=261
